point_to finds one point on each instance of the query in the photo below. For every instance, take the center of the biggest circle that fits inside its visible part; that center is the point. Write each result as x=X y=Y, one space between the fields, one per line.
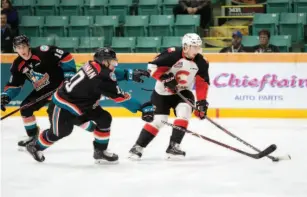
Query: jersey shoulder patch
x=172 y=49
x=44 y=48
x=112 y=76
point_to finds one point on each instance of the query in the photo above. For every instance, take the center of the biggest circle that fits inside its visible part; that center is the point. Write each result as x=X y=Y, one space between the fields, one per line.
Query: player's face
x=24 y=51
x=192 y=51
x=112 y=64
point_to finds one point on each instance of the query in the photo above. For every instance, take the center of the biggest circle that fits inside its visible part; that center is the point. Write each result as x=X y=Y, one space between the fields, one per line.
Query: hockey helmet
x=191 y=39
x=22 y=39
x=104 y=53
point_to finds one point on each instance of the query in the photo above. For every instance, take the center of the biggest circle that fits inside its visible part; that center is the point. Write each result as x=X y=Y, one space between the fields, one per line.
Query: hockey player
x=75 y=103
x=45 y=67
x=176 y=70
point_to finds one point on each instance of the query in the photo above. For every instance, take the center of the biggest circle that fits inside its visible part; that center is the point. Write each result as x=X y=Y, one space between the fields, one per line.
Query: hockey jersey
x=188 y=72
x=82 y=93
x=46 y=69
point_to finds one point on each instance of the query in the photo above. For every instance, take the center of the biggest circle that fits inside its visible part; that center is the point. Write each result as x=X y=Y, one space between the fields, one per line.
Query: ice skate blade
x=105 y=162
x=172 y=157
x=134 y=157
x=21 y=148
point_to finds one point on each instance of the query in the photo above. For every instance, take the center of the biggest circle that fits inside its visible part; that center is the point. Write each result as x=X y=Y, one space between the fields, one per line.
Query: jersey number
x=59 y=53
x=74 y=81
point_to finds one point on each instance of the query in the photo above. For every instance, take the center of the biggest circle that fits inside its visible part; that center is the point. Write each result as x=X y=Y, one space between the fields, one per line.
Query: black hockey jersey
x=188 y=72
x=46 y=70
x=82 y=93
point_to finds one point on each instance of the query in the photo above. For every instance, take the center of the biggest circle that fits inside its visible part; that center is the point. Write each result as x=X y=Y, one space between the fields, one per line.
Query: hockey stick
x=29 y=104
x=259 y=155
x=275 y=159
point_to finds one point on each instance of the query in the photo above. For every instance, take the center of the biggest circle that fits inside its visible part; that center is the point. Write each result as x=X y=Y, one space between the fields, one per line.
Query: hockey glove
x=147 y=110
x=169 y=81
x=136 y=75
x=5 y=99
x=201 y=109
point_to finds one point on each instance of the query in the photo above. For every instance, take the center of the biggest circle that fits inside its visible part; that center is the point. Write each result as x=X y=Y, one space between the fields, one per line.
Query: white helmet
x=191 y=39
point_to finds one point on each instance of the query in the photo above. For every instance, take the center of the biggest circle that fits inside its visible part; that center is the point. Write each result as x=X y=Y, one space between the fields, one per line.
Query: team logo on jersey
x=44 y=48
x=178 y=65
x=38 y=80
x=113 y=76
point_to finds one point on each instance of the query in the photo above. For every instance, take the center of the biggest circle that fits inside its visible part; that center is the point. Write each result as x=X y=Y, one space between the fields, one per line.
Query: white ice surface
x=208 y=170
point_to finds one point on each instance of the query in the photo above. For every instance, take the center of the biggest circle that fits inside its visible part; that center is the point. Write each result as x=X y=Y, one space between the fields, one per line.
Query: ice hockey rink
x=208 y=170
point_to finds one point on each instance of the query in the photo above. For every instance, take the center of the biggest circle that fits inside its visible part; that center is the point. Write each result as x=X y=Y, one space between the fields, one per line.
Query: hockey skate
x=103 y=157
x=136 y=152
x=36 y=154
x=174 y=152
x=27 y=139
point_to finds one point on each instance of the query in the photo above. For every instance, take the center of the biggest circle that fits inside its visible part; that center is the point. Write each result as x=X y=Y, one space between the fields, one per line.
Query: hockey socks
x=178 y=135
x=44 y=141
x=102 y=136
x=30 y=125
x=89 y=126
x=147 y=135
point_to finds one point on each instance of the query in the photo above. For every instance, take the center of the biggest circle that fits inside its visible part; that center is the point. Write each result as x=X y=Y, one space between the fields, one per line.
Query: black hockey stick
x=29 y=104
x=275 y=159
x=259 y=155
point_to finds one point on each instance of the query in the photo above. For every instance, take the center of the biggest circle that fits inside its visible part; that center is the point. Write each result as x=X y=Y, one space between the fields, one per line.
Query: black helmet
x=22 y=39
x=104 y=53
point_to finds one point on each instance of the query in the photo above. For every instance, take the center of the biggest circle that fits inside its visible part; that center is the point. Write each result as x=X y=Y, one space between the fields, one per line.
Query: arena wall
x=242 y=85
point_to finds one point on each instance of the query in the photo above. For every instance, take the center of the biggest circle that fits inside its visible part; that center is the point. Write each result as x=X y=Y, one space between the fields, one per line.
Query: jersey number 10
x=69 y=86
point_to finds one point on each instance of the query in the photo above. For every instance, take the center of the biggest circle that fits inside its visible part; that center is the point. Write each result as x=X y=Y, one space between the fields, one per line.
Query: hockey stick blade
x=263 y=153
x=266 y=151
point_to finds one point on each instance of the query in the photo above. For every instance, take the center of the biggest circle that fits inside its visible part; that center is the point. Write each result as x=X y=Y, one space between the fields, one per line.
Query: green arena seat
x=105 y=26
x=170 y=41
x=123 y=44
x=24 y=7
x=305 y=48
x=46 y=7
x=119 y=8
x=95 y=7
x=168 y=5
x=71 y=7
x=265 y=21
x=136 y=26
x=80 y=26
x=37 y=41
x=186 y=24
x=283 y=42
x=300 y=6
x=90 y=44
x=32 y=25
x=149 y=7
x=55 y=26
x=278 y=6
x=148 y=44
x=69 y=44
x=161 y=25
x=292 y=24
x=250 y=41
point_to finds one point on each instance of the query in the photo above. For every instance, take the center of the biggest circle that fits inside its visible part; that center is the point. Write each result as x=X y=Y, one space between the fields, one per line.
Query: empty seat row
x=278 y=6
x=282 y=24
x=155 y=25
x=120 y=44
x=282 y=41
x=93 y=7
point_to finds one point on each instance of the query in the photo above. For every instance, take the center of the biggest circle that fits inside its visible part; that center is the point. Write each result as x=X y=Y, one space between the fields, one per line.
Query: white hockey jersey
x=187 y=72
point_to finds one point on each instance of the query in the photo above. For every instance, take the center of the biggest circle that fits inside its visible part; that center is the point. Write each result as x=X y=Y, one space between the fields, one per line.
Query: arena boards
x=242 y=85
